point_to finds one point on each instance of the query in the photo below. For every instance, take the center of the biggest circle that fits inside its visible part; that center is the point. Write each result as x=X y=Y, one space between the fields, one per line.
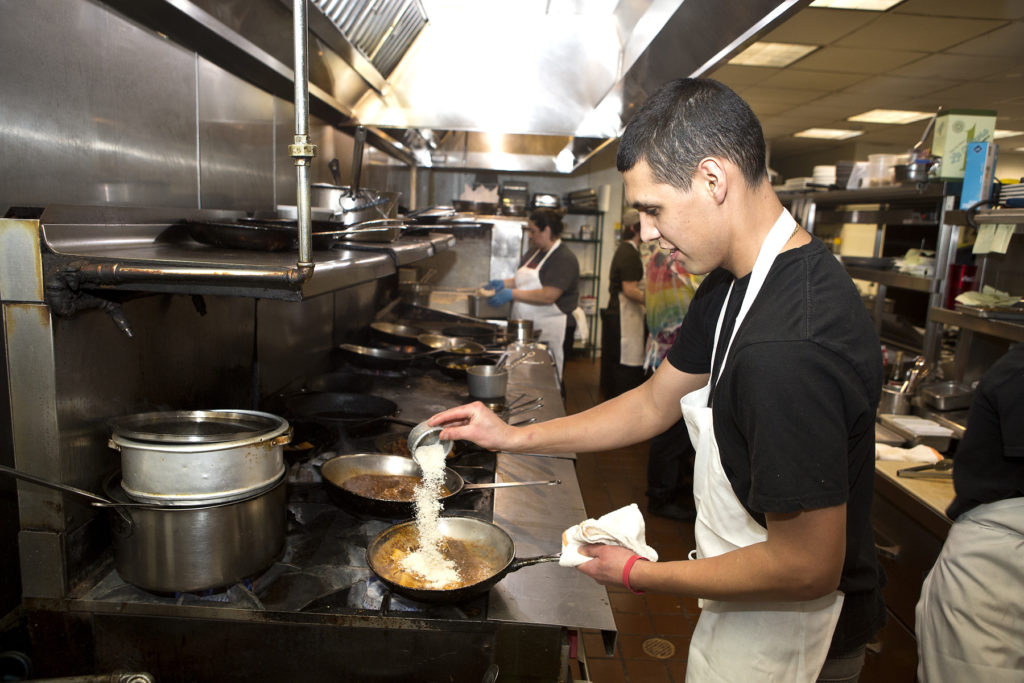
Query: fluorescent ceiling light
x=891 y=116
x=1000 y=134
x=772 y=54
x=868 y=5
x=828 y=133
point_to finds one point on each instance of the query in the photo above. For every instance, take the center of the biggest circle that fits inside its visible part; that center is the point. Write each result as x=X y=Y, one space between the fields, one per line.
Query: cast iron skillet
x=491 y=545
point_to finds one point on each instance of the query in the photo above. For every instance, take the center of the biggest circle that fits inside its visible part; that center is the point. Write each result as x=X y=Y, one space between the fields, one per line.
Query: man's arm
x=632 y=417
x=801 y=559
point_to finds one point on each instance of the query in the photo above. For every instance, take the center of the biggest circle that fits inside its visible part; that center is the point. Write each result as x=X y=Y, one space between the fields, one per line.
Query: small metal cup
x=425 y=435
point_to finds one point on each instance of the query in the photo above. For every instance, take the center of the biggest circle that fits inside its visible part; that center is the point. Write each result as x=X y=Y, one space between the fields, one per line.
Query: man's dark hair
x=687 y=120
x=547 y=218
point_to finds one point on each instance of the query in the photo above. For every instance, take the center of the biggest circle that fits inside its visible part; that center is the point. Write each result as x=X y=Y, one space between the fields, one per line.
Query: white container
x=880 y=169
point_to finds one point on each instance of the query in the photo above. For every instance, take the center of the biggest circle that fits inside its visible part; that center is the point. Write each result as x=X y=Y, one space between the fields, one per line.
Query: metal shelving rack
x=914 y=204
x=590 y=282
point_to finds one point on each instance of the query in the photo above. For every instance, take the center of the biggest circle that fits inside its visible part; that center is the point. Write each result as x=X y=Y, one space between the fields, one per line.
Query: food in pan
x=486 y=291
x=400 y=561
x=397 y=487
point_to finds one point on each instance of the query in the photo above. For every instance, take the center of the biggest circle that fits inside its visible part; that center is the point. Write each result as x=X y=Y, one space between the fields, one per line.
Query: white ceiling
x=919 y=55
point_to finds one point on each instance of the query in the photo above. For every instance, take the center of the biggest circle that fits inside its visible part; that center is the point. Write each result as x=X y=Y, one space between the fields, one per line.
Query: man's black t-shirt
x=794 y=406
x=990 y=459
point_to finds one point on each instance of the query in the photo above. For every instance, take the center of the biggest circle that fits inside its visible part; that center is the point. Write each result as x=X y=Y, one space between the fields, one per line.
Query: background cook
x=545 y=288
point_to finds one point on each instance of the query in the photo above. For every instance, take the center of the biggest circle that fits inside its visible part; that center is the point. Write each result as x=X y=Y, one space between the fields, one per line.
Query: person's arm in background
x=631 y=289
x=544 y=295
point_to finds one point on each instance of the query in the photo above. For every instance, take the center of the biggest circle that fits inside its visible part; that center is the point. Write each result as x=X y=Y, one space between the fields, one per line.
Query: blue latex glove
x=496 y=285
x=501 y=298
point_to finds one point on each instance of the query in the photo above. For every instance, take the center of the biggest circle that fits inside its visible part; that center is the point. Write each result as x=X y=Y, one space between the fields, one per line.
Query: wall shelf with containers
x=582 y=234
x=907 y=216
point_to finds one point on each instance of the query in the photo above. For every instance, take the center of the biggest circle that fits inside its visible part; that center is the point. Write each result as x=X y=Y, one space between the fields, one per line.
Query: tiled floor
x=610 y=480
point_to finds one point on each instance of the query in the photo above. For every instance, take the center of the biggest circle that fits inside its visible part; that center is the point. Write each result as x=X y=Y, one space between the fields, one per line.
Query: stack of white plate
x=825 y=175
x=797 y=183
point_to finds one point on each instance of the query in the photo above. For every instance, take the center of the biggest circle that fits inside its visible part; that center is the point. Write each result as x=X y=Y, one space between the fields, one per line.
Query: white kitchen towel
x=624 y=527
x=582 y=325
x=921 y=453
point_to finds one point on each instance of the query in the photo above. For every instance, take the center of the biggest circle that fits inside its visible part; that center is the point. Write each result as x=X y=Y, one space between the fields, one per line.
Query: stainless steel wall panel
x=97 y=110
x=33 y=415
x=21 y=266
x=293 y=340
x=284 y=167
x=236 y=142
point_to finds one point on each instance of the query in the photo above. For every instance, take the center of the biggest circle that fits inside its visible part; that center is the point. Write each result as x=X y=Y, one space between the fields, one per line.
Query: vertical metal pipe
x=302 y=151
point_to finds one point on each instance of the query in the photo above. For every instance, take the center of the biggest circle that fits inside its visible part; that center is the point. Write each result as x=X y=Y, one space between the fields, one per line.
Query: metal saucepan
x=199 y=457
x=342 y=468
x=483 y=551
x=167 y=549
x=357 y=414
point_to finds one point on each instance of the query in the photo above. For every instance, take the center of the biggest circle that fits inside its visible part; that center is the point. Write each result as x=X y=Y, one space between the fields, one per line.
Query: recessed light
x=999 y=134
x=772 y=54
x=828 y=133
x=891 y=116
x=867 y=5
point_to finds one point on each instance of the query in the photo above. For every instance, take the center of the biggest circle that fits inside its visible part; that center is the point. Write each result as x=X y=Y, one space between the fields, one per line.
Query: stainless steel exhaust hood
x=503 y=85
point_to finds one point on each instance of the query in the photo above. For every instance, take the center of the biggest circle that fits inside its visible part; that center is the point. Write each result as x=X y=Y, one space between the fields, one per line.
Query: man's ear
x=712 y=178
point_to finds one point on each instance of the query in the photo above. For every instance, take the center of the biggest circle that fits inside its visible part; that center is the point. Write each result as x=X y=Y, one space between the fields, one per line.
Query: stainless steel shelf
x=892 y=278
x=147 y=250
x=996 y=328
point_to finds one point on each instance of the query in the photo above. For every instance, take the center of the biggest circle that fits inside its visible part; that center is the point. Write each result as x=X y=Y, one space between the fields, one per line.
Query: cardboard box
x=954 y=128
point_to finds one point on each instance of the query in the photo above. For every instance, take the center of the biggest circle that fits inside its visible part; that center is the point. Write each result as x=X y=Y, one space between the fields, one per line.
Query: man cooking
x=777 y=372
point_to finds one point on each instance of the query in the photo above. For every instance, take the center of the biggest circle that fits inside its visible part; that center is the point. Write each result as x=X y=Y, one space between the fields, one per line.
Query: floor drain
x=659 y=648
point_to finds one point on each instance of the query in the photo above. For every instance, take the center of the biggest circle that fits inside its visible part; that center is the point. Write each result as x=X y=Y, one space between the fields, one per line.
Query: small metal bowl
x=425 y=435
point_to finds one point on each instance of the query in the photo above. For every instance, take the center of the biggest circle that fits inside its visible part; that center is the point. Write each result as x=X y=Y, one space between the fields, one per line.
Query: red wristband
x=625 y=573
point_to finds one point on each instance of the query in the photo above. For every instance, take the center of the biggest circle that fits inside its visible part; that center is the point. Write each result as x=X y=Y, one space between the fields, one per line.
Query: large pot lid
x=196 y=426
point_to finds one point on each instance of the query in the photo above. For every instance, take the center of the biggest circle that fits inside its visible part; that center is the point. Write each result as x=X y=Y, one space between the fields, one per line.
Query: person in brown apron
x=777 y=371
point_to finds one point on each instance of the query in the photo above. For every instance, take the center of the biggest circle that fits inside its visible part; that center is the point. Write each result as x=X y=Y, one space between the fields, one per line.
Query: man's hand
x=477 y=423
x=606 y=567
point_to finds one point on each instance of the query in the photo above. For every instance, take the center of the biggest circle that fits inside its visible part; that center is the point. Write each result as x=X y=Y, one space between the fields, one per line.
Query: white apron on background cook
x=746 y=641
x=548 y=318
x=970 y=623
x=631 y=330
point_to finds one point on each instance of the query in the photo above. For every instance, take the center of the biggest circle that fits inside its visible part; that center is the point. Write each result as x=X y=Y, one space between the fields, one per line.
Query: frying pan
x=376 y=357
x=462 y=346
x=493 y=554
x=339 y=469
x=455 y=366
x=406 y=334
x=355 y=413
x=485 y=334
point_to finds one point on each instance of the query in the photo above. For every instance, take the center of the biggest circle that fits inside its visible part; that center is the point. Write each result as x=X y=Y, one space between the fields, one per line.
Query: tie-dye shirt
x=668 y=290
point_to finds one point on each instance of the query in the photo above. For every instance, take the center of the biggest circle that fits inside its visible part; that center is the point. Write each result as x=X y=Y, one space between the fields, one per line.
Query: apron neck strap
x=773 y=243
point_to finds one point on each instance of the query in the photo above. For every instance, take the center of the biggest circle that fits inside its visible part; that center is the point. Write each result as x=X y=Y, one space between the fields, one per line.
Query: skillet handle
x=507 y=484
x=520 y=562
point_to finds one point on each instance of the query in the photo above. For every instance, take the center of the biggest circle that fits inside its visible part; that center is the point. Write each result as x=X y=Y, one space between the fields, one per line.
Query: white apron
x=631 y=331
x=970 y=619
x=548 y=318
x=746 y=641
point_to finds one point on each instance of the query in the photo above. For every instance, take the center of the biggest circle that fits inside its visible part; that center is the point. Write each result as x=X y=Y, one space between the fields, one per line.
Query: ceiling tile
x=895 y=86
x=736 y=76
x=923 y=33
x=788 y=96
x=1003 y=42
x=955 y=66
x=976 y=9
x=820 y=80
x=819 y=26
x=858 y=61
